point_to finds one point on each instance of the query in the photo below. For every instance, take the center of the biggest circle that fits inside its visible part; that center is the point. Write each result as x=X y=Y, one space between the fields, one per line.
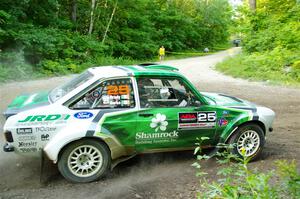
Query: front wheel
x=84 y=161
x=248 y=141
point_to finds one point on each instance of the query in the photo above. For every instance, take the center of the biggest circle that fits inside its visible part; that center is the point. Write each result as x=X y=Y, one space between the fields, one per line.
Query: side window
x=115 y=93
x=165 y=92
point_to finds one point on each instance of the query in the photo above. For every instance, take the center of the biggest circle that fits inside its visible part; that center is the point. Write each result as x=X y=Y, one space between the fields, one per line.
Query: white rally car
x=108 y=114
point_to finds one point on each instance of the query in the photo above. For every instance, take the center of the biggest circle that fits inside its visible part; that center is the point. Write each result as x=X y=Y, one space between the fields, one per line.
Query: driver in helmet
x=146 y=91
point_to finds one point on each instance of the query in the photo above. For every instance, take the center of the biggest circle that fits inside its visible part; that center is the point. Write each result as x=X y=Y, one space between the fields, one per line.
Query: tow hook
x=8 y=148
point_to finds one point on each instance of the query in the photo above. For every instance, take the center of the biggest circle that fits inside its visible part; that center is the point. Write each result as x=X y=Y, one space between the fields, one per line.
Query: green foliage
x=275 y=23
x=291 y=178
x=54 y=42
x=271 y=43
x=236 y=180
x=13 y=66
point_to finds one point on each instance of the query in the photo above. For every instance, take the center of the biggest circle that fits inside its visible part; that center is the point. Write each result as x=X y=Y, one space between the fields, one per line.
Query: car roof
x=134 y=70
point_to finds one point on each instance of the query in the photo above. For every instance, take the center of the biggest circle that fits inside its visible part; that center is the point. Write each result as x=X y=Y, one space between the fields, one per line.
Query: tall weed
x=237 y=180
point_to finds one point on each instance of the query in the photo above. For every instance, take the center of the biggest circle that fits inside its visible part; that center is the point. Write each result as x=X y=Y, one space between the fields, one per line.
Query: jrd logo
x=41 y=118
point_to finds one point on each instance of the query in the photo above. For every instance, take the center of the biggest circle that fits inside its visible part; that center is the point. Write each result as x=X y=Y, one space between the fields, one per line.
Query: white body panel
x=266 y=116
x=47 y=135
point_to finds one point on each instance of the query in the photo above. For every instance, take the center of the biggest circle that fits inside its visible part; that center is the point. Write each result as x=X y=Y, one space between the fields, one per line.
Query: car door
x=113 y=104
x=171 y=115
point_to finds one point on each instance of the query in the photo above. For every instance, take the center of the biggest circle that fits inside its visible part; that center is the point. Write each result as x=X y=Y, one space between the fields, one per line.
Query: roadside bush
x=236 y=180
x=271 y=43
x=13 y=66
x=274 y=24
x=52 y=33
x=65 y=66
x=279 y=65
x=53 y=67
x=52 y=43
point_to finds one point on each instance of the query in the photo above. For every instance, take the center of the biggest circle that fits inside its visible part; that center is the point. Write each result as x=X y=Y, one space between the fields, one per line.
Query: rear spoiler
x=158 y=66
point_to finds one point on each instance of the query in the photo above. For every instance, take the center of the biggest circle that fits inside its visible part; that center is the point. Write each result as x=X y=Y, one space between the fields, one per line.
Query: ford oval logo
x=83 y=115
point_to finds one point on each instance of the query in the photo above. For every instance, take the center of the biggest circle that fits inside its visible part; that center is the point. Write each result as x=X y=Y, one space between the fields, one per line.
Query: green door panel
x=163 y=128
x=122 y=125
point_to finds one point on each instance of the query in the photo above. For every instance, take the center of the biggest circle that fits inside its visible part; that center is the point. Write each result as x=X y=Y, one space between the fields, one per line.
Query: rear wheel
x=248 y=141
x=84 y=161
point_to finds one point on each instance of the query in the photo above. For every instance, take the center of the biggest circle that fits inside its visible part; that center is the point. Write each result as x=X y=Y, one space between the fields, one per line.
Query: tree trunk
x=109 y=22
x=252 y=4
x=92 y=17
x=74 y=11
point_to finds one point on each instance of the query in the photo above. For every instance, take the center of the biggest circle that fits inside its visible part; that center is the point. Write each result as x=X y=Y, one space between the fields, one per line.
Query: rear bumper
x=8 y=148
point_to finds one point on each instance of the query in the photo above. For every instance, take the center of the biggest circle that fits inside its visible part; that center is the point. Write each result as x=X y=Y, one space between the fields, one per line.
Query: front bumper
x=8 y=148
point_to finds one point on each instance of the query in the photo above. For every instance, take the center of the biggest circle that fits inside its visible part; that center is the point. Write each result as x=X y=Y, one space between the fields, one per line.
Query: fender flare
x=237 y=126
x=233 y=126
x=55 y=146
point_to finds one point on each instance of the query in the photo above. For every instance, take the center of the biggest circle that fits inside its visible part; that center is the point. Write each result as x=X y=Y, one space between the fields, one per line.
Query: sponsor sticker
x=195 y=120
x=45 y=129
x=159 y=124
x=188 y=117
x=225 y=113
x=27 y=138
x=83 y=115
x=28 y=150
x=45 y=137
x=118 y=90
x=153 y=138
x=105 y=99
x=223 y=122
x=96 y=94
x=27 y=144
x=44 y=118
x=24 y=131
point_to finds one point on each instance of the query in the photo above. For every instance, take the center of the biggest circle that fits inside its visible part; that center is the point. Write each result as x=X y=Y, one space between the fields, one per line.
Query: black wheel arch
x=257 y=122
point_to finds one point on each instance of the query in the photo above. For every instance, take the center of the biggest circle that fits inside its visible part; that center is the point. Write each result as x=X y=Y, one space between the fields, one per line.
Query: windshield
x=61 y=91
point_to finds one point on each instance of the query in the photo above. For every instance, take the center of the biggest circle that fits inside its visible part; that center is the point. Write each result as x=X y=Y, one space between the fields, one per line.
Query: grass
x=273 y=67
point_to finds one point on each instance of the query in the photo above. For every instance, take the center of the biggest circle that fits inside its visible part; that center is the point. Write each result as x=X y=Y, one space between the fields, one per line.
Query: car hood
x=27 y=102
x=227 y=100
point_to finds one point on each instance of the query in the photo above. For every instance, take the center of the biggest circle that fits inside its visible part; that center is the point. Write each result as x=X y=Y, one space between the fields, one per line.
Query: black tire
x=237 y=136
x=65 y=163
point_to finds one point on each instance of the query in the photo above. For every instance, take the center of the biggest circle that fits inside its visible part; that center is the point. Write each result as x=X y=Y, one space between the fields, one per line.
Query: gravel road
x=166 y=175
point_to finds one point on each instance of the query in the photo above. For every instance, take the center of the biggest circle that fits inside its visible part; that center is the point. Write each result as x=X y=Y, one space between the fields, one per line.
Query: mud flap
x=42 y=164
x=119 y=160
x=47 y=171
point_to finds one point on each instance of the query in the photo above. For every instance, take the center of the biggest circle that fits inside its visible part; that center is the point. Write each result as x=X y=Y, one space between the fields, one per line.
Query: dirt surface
x=166 y=175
